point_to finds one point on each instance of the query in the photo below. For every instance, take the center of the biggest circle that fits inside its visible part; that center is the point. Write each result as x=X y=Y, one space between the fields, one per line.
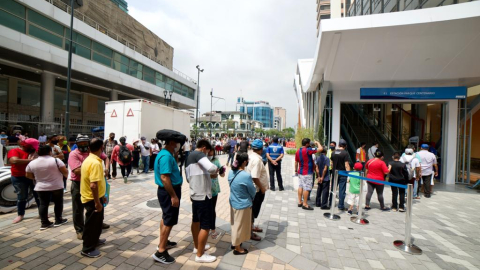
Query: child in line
x=354 y=190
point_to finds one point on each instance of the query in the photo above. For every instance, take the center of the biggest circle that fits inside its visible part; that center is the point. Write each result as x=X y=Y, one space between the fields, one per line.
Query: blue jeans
x=146 y=163
x=415 y=188
x=342 y=188
x=22 y=187
x=230 y=157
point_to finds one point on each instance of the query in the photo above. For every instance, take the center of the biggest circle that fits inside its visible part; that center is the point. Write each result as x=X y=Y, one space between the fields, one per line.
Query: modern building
x=225 y=123
x=324 y=11
x=259 y=110
x=280 y=115
x=396 y=78
x=122 y=4
x=114 y=58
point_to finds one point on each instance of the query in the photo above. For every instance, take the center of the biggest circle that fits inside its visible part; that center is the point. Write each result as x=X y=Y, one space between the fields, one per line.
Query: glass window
x=78 y=38
x=325 y=7
x=169 y=87
x=102 y=49
x=148 y=71
x=60 y=101
x=13 y=7
x=177 y=87
x=160 y=76
x=191 y=93
x=12 y=21
x=149 y=78
x=79 y=50
x=45 y=22
x=135 y=73
x=120 y=58
x=28 y=94
x=159 y=83
x=323 y=17
x=3 y=90
x=169 y=81
x=120 y=67
x=101 y=106
x=44 y=35
x=99 y=58
x=134 y=64
x=184 y=90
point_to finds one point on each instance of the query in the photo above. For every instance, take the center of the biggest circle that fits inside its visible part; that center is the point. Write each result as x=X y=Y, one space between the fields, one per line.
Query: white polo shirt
x=428 y=160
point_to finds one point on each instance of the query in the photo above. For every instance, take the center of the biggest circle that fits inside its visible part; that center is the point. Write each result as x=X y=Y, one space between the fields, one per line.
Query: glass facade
x=14 y=15
x=28 y=94
x=257 y=112
x=365 y=7
x=3 y=90
x=60 y=101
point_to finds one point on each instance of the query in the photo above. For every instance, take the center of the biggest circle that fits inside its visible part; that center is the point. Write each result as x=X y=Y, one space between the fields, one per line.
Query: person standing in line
x=331 y=148
x=169 y=193
x=233 y=146
x=428 y=164
x=304 y=167
x=376 y=169
x=48 y=172
x=146 y=152
x=354 y=190
x=199 y=170
x=361 y=155
x=187 y=147
x=52 y=141
x=19 y=158
x=242 y=194
x=92 y=191
x=323 y=175
x=63 y=144
x=215 y=190
x=155 y=151
x=242 y=147
x=75 y=161
x=42 y=139
x=136 y=155
x=372 y=150
x=398 y=175
x=275 y=155
x=109 y=144
x=413 y=166
x=340 y=162
x=122 y=154
x=258 y=172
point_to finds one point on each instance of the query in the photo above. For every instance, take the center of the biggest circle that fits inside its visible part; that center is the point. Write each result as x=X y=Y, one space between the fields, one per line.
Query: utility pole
x=198 y=98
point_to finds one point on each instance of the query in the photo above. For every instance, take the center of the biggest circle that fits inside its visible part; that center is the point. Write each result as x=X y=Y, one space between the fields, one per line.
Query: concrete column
x=336 y=116
x=12 y=90
x=47 y=95
x=114 y=95
x=449 y=141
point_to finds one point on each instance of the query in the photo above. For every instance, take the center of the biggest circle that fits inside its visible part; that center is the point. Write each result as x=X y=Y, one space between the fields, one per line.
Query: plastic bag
x=107 y=193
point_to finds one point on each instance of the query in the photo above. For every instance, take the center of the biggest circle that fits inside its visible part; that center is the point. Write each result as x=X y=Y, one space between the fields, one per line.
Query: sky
x=247 y=48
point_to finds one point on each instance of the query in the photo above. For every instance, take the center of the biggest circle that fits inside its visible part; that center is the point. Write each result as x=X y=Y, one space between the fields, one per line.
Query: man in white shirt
x=372 y=150
x=428 y=163
x=259 y=175
x=187 y=147
x=413 y=167
x=146 y=152
x=42 y=139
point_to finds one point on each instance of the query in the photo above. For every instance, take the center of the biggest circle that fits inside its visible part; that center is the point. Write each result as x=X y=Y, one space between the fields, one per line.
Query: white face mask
x=177 y=148
x=210 y=157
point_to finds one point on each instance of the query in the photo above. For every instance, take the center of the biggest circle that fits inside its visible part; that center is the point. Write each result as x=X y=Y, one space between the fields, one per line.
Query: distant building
x=281 y=114
x=259 y=110
x=221 y=123
x=122 y=4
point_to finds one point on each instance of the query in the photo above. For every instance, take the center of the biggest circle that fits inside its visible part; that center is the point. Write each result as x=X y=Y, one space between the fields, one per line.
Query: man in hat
x=169 y=192
x=428 y=163
x=19 y=159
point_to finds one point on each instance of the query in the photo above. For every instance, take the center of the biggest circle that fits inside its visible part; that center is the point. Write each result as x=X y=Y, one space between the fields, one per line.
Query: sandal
x=255 y=237
x=257 y=229
x=240 y=253
x=215 y=235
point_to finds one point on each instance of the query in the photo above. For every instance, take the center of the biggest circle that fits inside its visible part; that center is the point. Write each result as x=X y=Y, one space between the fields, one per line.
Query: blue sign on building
x=451 y=92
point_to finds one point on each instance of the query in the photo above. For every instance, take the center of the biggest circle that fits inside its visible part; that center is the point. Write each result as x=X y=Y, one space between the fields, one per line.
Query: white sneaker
x=205 y=258
x=207 y=247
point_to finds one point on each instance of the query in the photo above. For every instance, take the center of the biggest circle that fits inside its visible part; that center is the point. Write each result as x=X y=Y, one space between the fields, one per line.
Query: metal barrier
x=406 y=245
x=359 y=218
x=332 y=215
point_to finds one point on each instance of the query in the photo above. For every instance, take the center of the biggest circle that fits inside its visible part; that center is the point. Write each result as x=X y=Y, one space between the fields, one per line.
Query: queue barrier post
x=332 y=215
x=359 y=218
x=407 y=245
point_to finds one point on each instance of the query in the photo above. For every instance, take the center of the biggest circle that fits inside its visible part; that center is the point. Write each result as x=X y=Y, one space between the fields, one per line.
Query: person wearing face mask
x=75 y=161
x=198 y=171
x=376 y=169
x=169 y=192
x=19 y=158
x=52 y=141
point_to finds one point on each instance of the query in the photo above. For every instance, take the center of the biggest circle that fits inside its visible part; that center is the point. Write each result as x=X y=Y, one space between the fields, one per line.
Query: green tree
x=320 y=135
x=301 y=134
x=288 y=133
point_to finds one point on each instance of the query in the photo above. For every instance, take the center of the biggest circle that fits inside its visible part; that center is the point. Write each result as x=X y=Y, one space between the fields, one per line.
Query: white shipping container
x=137 y=117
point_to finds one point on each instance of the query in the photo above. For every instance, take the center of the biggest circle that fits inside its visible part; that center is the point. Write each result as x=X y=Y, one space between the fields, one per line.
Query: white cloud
x=250 y=46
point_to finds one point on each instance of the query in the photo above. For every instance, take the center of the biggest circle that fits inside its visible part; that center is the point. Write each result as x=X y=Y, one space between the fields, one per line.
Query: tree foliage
x=301 y=134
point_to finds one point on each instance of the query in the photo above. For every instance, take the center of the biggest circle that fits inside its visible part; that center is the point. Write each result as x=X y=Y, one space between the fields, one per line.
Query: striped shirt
x=304 y=158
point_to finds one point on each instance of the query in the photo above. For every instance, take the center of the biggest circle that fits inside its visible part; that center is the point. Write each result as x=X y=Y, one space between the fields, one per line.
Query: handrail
x=350 y=131
x=371 y=136
x=415 y=118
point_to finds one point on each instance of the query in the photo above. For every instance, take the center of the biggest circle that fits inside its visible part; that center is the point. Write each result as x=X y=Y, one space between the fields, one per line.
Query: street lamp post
x=198 y=98
x=168 y=96
x=73 y=5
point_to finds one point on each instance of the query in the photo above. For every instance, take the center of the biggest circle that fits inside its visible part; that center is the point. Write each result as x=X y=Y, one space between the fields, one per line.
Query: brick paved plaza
x=445 y=227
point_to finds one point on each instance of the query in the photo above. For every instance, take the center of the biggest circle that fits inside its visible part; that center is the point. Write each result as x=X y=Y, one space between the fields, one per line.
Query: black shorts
x=257 y=204
x=202 y=211
x=170 y=213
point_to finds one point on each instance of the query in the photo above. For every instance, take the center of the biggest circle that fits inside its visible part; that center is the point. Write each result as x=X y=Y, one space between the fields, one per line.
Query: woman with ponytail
x=242 y=193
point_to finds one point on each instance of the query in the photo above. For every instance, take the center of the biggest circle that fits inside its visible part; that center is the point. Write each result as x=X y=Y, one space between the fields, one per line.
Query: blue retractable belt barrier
x=345 y=173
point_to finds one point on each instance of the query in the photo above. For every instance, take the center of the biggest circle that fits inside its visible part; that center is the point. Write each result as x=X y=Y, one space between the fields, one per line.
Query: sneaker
x=207 y=247
x=125 y=179
x=401 y=210
x=63 y=221
x=105 y=226
x=101 y=241
x=17 y=219
x=163 y=257
x=171 y=244
x=307 y=208
x=205 y=258
x=350 y=212
x=386 y=209
x=46 y=226
x=394 y=209
x=92 y=254
x=325 y=208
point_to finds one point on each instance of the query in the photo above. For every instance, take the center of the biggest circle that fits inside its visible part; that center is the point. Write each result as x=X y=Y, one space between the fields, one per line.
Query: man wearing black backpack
x=122 y=154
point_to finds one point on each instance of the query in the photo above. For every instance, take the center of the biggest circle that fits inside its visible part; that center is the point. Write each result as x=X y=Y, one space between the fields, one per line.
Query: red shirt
x=376 y=170
x=18 y=170
x=116 y=152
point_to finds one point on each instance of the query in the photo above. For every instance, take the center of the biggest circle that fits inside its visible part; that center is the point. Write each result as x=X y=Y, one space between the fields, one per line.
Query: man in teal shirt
x=169 y=181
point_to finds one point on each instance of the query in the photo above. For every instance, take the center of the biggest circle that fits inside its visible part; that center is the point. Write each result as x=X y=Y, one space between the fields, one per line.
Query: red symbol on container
x=130 y=113
x=114 y=114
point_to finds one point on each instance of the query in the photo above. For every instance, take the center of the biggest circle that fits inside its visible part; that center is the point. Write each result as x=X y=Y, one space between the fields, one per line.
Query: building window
x=12 y=15
x=135 y=69
x=60 y=101
x=324 y=17
x=101 y=106
x=28 y=94
x=149 y=74
x=325 y=7
x=45 y=35
x=102 y=54
x=54 y=34
x=3 y=90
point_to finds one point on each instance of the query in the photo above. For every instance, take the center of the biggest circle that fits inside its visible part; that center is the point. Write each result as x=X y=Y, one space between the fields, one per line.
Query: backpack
x=124 y=154
x=408 y=165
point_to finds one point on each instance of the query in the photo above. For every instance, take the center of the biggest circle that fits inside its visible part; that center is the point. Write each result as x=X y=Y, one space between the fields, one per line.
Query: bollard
x=359 y=218
x=332 y=215
x=407 y=245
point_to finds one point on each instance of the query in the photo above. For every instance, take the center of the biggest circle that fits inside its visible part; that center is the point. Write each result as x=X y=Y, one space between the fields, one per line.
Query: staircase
x=356 y=129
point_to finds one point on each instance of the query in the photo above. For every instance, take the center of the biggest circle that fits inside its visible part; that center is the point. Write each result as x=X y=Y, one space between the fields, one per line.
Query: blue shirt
x=166 y=164
x=321 y=162
x=264 y=154
x=275 y=150
x=233 y=143
x=73 y=147
x=242 y=190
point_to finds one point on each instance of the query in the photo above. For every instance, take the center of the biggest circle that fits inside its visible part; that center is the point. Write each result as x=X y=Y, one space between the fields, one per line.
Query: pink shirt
x=47 y=175
x=75 y=160
x=116 y=152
